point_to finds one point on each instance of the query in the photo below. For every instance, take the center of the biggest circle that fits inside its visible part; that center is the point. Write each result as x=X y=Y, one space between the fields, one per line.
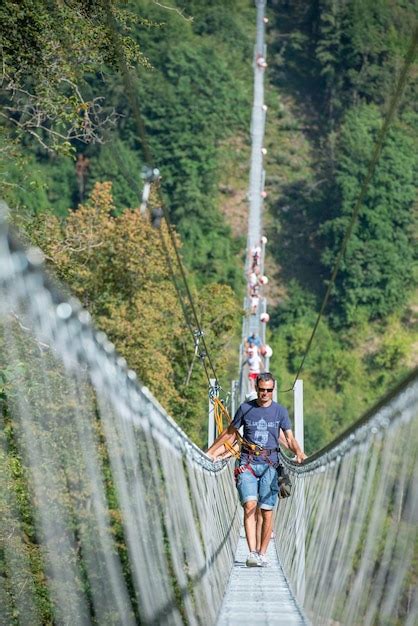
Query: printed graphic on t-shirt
x=262 y=426
x=261 y=435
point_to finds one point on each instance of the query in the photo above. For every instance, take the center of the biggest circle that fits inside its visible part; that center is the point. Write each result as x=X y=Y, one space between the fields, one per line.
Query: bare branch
x=175 y=9
x=26 y=111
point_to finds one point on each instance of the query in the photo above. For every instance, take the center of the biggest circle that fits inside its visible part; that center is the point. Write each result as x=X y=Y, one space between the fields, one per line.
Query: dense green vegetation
x=331 y=72
x=193 y=94
x=336 y=69
x=71 y=158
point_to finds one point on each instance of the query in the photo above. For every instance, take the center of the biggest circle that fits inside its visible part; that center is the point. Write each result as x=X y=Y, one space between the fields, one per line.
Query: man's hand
x=217 y=449
x=293 y=445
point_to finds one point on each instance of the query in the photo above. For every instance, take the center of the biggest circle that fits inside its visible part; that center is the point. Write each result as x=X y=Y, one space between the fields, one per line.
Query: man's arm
x=283 y=440
x=228 y=435
x=293 y=445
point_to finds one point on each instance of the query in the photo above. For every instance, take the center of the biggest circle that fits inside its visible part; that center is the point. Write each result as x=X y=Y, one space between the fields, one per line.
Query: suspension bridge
x=164 y=545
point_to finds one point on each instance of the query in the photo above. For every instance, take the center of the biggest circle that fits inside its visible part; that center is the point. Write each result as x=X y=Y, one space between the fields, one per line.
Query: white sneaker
x=263 y=560
x=252 y=560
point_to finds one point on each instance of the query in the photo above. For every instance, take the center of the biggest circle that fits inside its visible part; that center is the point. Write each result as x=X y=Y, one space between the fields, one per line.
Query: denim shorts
x=261 y=488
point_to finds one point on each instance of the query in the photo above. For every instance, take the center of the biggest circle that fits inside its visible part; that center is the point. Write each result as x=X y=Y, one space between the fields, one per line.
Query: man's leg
x=259 y=524
x=266 y=528
x=268 y=490
x=247 y=485
x=250 y=512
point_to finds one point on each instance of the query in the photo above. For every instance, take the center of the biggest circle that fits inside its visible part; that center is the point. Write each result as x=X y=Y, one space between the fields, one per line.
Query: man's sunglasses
x=267 y=389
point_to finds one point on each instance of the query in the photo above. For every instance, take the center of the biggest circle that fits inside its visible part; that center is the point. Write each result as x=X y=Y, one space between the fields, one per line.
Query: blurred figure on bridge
x=252 y=281
x=255 y=257
x=265 y=424
x=254 y=302
x=261 y=61
x=253 y=340
x=255 y=365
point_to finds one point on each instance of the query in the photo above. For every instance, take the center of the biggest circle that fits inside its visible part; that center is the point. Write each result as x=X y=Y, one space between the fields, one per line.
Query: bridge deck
x=259 y=595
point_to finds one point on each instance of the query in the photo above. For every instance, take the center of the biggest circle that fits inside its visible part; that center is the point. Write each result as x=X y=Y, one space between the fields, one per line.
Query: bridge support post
x=234 y=386
x=211 y=420
x=298 y=409
x=300 y=514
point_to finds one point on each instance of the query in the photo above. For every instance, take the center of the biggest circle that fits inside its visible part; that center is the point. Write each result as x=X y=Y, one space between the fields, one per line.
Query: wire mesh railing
x=348 y=537
x=109 y=514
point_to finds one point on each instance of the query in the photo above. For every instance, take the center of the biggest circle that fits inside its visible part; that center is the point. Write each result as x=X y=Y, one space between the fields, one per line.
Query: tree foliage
x=359 y=46
x=48 y=49
x=114 y=262
x=377 y=270
x=192 y=91
x=338 y=64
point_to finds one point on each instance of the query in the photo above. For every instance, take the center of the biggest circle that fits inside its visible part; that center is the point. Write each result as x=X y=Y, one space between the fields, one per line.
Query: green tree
x=360 y=46
x=376 y=272
x=113 y=261
x=191 y=103
x=48 y=49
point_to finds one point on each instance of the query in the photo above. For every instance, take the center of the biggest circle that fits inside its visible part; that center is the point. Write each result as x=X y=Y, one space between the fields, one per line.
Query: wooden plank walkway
x=259 y=595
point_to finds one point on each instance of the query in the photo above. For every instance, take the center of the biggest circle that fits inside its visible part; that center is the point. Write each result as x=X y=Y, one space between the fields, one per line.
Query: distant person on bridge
x=264 y=423
x=254 y=290
x=261 y=62
x=255 y=365
x=253 y=340
x=255 y=256
x=254 y=302
x=253 y=280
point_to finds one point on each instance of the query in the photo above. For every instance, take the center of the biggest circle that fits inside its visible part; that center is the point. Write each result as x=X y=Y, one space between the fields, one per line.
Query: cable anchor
x=214 y=390
x=198 y=334
x=149 y=176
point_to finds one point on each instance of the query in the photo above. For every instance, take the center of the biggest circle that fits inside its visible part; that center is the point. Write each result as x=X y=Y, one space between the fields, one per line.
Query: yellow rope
x=220 y=411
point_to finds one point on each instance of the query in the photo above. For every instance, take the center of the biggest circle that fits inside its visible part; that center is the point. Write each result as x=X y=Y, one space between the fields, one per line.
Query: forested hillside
x=71 y=170
x=72 y=164
x=334 y=66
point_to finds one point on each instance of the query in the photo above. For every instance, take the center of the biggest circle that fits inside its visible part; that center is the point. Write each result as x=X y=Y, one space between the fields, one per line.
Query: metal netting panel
x=109 y=514
x=348 y=536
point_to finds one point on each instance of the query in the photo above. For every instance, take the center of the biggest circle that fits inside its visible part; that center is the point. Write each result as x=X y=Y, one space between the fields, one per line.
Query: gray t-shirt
x=261 y=426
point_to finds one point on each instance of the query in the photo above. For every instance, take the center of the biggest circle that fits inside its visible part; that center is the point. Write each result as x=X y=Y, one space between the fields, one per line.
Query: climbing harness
x=253 y=450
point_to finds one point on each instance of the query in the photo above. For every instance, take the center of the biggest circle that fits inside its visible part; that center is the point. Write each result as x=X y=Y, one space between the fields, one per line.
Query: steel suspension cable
x=141 y=131
x=134 y=183
x=175 y=561
x=363 y=190
x=196 y=335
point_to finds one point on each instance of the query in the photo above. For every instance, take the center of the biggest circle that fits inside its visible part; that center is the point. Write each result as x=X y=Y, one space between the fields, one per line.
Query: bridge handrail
x=133 y=522
x=348 y=535
x=373 y=420
x=82 y=324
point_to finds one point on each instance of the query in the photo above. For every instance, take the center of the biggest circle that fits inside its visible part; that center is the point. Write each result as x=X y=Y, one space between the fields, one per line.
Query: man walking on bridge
x=265 y=423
